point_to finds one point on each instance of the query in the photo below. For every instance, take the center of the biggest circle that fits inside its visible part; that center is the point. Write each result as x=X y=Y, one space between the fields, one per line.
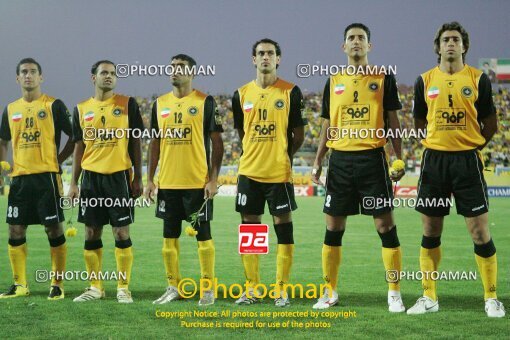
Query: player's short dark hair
x=185 y=57
x=94 y=68
x=357 y=25
x=28 y=61
x=451 y=26
x=266 y=41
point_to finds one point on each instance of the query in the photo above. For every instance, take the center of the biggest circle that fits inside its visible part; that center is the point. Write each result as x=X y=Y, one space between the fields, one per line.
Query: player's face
x=181 y=72
x=356 y=43
x=265 y=59
x=105 y=77
x=29 y=77
x=450 y=46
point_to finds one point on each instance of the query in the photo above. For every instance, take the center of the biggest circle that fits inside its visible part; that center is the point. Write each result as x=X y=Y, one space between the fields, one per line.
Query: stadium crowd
x=497 y=153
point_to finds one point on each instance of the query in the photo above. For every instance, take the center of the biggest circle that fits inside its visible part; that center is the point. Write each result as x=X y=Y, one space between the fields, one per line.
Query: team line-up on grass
x=452 y=102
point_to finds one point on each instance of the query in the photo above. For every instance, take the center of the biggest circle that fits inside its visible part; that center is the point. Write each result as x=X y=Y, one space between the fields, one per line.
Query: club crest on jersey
x=165 y=112
x=467 y=91
x=117 y=111
x=248 y=106
x=433 y=92
x=339 y=88
x=193 y=110
x=41 y=114
x=89 y=116
x=17 y=117
x=279 y=104
x=373 y=86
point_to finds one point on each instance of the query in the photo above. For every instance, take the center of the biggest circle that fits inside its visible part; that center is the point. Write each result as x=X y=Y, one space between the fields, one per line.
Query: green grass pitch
x=362 y=285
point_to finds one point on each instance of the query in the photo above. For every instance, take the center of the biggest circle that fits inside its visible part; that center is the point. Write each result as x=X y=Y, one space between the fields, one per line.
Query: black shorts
x=252 y=196
x=179 y=204
x=105 y=199
x=355 y=180
x=460 y=173
x=35 y=199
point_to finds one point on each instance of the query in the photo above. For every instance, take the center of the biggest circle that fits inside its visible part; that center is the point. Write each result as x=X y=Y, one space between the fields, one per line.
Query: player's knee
x=17 y=232
x=384 y=223
x=283 y=218
x=172 y=228
x=54 y=230
x=93 y=233
x=284 y=233
x=204 y=231
x=251 y=219
x=121 y=233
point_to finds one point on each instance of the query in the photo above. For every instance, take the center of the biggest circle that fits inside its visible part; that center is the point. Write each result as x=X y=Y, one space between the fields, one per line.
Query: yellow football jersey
x=95 y=121
x=267 y=117
x=453 y=105
x=35 y=129
x=358 y=102
x=184 y=125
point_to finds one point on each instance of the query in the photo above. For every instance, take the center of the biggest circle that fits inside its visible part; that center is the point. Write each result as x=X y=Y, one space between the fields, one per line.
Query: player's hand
x=136 y=187
x=316 y=174
x=210 y=189
x=396 y=176
x=150 y=190
x=74 y=192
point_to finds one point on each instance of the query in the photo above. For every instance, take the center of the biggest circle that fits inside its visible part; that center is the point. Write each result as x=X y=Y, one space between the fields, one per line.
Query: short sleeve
x=420 y=108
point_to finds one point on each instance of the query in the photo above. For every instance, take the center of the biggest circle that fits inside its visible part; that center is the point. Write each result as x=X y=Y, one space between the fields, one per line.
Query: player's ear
x=369 y=47
x=278 y=60
x=93 y=78
x=343 y=47
x=254 y=61
x=41 y=79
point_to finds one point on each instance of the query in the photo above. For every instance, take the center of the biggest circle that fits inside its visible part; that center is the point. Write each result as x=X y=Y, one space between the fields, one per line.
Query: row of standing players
x=452 y=100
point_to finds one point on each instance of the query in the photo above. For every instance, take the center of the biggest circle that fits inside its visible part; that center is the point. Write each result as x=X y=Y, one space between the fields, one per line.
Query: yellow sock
x=251 y=269
x=18 y=258
x=206 y=257
x=58 y=263
x=93 y=264
x=488 y=267
x=429 y=262
x=331 y=258
x=392 y=259
x=124 y=258
x=284 y=257
x=171 y=260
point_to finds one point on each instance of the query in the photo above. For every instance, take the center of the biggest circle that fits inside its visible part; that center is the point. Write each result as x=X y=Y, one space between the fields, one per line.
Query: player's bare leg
x=430 y=256
x=485 y=254
x=392 y=259
x=331 y=258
